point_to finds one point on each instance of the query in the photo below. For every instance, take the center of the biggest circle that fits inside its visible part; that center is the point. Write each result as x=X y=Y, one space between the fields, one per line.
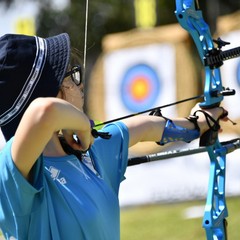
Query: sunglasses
x=76 y=74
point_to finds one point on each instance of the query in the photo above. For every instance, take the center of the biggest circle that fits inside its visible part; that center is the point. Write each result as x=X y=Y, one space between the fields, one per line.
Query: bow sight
x=215 y=57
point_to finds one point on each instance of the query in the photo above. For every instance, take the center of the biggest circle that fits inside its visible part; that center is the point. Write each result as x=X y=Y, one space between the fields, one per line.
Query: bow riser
x=212 y=88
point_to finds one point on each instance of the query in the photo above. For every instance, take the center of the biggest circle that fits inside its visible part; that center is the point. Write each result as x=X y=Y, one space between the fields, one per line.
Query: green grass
x=167 y=222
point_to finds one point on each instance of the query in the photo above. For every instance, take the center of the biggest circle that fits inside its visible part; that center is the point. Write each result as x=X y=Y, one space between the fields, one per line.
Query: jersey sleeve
x=17 y=194
x=111 y=155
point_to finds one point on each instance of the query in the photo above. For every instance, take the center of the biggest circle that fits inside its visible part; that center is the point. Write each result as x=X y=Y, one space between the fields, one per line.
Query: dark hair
x=76 y=57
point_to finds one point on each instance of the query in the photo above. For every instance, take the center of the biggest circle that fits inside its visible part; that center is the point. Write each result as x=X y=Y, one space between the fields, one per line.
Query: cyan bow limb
x=190 y=18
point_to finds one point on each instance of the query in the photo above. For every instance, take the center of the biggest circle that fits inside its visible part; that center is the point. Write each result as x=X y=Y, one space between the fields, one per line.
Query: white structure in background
x=231 y=74
x=21 y=15
x=139 y=81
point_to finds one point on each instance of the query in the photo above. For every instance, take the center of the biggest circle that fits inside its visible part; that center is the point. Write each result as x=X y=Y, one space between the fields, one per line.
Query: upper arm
x=32 y=135
x=43 y=117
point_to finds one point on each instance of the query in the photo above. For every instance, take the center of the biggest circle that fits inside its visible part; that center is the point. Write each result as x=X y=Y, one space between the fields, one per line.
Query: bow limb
x=190 y=18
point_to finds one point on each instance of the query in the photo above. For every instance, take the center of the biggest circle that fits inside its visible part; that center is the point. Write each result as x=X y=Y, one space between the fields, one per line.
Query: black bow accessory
x=104 y=135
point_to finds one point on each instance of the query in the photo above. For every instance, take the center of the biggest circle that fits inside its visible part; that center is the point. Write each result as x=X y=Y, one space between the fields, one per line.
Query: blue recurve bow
x=190 y=18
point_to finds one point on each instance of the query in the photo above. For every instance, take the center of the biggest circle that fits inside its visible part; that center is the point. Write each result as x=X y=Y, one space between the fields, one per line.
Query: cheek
x=75 y=97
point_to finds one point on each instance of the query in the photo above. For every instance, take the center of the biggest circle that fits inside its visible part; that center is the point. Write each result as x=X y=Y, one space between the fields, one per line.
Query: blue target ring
x=140 y=88
x=238 y=73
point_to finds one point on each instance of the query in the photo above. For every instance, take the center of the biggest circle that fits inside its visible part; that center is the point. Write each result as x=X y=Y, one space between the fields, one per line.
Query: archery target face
x=231 y=75
x=139 y=78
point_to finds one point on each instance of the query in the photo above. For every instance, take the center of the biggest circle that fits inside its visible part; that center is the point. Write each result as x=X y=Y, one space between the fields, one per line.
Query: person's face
x=72 y=88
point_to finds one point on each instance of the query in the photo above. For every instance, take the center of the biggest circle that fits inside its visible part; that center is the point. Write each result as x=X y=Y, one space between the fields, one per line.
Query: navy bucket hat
x=30 y=67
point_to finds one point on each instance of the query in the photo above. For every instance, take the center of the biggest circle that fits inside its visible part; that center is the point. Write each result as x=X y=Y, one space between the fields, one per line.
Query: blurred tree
x=109 y=16
x=7 y=2
x=104 y=17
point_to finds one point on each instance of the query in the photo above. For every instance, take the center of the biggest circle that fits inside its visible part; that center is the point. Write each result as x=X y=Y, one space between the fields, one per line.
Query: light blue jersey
x=67 y=199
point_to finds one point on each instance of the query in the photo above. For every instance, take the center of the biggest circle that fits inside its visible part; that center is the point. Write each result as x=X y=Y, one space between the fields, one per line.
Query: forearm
x=150 y=128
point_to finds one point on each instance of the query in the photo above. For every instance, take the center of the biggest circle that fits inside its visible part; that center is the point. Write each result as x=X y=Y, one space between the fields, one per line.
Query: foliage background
x=110 y=16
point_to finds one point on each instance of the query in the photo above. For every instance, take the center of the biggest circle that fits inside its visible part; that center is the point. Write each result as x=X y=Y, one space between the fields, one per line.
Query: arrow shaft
x=149 y=110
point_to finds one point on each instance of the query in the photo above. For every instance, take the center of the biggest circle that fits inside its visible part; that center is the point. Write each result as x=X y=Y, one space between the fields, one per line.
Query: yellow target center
x=140 y=89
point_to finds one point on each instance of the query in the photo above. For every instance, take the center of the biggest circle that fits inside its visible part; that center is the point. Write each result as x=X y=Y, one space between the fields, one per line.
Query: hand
x=217 y=113
x=78 y=140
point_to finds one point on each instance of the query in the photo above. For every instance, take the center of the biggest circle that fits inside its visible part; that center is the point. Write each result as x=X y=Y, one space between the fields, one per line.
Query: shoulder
x=116 y=128
x=10 y=174
x=5 y=152
x=118 y=143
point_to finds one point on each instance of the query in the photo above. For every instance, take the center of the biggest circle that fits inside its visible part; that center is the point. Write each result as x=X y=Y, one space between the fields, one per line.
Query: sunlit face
x=72 y=87
x=72 y=93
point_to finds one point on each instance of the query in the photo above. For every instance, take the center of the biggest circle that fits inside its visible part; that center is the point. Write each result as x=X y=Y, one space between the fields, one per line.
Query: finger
x=84 y=140
x=71 y=139
x=68 y=136
x=224 y=114
x=79 y=146
x=224 y=117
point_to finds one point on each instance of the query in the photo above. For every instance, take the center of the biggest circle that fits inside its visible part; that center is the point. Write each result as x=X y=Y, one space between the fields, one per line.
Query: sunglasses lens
x=77 y=78
x=76 y=75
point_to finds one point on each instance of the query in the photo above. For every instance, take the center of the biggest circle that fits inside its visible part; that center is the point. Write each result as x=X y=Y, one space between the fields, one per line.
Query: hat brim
x=49 y=81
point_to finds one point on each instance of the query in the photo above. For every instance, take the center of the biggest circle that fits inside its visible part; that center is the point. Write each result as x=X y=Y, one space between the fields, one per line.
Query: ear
x=61 y=94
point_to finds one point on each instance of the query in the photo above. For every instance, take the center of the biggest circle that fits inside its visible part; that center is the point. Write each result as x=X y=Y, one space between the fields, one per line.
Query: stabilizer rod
x=229 y=146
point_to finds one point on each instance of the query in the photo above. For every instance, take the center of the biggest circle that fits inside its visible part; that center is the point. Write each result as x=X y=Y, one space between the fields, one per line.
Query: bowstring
x=85 y=41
